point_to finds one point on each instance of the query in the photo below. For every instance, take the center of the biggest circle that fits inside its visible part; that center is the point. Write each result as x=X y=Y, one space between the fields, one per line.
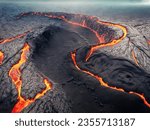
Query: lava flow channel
x=3 y=41
x=82 y=24
x=15 y=75
x=93 y=48
x=1 y=57
x=134 y=58
x=100 y=79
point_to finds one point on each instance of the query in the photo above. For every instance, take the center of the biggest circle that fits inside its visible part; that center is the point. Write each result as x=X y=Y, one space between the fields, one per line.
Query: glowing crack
x=1 y=57
x=15 y=75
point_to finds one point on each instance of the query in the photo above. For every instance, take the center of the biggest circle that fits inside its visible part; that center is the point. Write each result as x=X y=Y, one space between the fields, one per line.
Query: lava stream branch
x=1 y=57
x=103 y=83
x=22 y=103
x=15 y=75
x=134 y=58
x=3 y=41
x=112 y=43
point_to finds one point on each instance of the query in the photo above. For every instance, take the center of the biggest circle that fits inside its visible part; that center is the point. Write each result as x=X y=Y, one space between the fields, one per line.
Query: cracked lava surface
x=90 y=58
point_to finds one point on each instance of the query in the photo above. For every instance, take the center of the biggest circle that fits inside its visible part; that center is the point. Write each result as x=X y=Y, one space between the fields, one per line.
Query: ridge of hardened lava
x=134 y=58
x=10 y=39
x=15 y=75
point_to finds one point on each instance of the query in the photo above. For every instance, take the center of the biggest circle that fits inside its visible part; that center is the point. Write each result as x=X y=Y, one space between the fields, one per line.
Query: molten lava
x=109 y=44
x=1 y=57
x=3 y=41
x=15 y=75
x=148 y=42
x=22 y=103
x=94 y=48
x=103 y=83
x=142 y=97
x=134 y=58
x=82 y=24
x=13 y=38
x=100 y=79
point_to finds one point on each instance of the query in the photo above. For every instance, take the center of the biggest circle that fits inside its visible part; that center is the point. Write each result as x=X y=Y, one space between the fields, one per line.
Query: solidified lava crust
x=74 y=63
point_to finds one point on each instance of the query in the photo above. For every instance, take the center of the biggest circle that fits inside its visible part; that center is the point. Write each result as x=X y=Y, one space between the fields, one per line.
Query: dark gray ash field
x=95 y=60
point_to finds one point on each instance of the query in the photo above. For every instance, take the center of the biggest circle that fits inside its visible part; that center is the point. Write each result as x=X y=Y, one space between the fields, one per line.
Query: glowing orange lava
x=109 y=44
x=134 y=58
x=82 y=24
x=15 y=75
x=100 y=79
x=3 y=41
x=103 y=83
x=22 y=103
x=1 y=57
x=13 y=38
x=142 y=97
